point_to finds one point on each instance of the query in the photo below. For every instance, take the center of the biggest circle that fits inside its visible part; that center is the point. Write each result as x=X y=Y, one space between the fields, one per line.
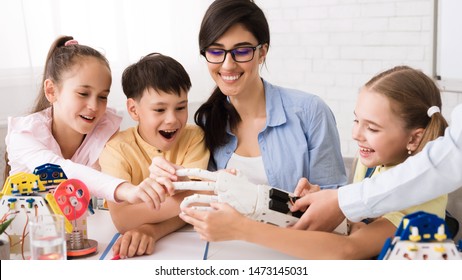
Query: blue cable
x=206 y=252
x=108 y=248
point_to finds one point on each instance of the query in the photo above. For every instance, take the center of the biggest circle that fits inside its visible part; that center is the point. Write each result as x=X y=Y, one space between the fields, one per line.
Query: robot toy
x=420 y=236
x=47 y=191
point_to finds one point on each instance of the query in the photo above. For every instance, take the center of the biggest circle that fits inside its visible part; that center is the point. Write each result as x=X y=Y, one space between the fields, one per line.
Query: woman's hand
x=222 y=223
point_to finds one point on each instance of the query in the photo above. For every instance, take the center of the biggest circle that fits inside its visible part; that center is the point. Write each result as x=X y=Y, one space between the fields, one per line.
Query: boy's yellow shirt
x=128 y=156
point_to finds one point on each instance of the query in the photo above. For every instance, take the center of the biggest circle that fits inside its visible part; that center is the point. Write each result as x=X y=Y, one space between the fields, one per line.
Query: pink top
x=30 y=143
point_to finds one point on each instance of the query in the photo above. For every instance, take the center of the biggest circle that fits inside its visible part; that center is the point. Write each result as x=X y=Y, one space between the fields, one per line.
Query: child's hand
x=153 y=192
x=304 y=186
x=136 y=242
x=160 y=167
x=322 y=211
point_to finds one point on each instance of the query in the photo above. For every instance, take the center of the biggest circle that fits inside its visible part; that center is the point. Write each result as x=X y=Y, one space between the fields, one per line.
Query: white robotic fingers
x=259 y=202
x=195 y=186
x=197 y=172
x=199 y=198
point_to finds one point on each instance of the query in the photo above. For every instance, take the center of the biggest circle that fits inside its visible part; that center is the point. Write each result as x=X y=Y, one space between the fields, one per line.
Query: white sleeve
x=24 y=149
x=435 y=171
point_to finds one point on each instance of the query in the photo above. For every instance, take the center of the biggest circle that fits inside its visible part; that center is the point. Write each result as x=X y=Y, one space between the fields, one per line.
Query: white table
x=184 y=244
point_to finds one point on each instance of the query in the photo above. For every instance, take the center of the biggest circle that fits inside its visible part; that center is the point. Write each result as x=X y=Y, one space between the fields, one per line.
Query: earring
x=409 y=152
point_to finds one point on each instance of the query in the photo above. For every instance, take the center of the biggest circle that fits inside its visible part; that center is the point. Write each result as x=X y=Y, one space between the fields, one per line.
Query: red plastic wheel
x=72 y=197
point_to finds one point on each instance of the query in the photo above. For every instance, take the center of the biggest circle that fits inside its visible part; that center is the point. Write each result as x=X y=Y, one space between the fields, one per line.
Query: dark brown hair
x=156 y=71
x=214 y=115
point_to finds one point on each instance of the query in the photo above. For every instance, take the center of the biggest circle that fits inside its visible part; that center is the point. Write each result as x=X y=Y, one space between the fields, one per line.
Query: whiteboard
x=449 y=45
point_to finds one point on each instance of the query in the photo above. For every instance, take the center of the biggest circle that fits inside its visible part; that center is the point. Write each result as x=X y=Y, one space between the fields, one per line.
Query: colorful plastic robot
x=420 y=236
x=24 y=196
x=22 y=183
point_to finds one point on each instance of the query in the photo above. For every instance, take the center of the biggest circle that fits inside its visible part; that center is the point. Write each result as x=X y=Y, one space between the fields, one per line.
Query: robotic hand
x=259 y=202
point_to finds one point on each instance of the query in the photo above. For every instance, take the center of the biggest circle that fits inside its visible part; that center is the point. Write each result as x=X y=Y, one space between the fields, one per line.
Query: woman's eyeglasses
x=240 y=54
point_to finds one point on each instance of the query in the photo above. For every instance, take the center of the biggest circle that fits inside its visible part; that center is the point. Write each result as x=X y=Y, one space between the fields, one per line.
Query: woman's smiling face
x=235 y=77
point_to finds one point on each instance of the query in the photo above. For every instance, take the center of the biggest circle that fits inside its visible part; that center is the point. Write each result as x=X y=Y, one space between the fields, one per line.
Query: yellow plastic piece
x=415 y=237
x=439 y=249
x=405 y=222
x=24 y=182
x=55 y=208
x=440 y=237
x=413 y=248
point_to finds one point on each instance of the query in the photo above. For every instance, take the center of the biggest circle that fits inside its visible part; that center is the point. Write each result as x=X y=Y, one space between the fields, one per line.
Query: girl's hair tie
x=432 y=110
x=71 y=42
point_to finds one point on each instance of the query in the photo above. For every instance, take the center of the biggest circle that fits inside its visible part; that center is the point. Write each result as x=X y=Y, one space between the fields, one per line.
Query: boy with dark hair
x=157 y=98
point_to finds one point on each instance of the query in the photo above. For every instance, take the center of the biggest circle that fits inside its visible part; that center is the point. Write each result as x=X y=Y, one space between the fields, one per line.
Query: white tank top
x=250 y=167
